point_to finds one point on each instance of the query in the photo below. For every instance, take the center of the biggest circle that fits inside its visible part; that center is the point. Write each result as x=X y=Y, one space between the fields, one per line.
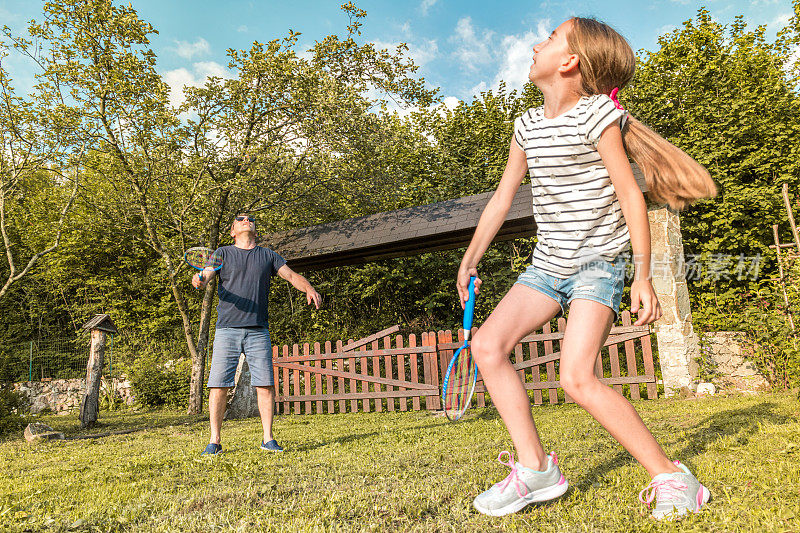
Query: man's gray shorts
x=229 y=343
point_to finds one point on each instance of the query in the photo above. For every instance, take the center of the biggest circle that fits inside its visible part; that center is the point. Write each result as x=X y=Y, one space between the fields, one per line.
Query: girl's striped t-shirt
x=577 y=213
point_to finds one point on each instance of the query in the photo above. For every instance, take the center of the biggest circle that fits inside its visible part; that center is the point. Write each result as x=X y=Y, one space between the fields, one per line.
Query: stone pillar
x=678 y=344
x=244 y=403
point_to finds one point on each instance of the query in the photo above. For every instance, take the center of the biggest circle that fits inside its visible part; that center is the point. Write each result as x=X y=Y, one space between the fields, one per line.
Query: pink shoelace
x=513 y=475
x=664 y=489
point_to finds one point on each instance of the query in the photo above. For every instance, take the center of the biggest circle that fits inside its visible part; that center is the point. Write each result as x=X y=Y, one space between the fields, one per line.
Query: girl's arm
x=493 y=216
x=634 y=209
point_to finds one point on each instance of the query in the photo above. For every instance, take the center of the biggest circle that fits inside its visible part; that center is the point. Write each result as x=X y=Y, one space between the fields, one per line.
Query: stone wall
x=733 y=371
x=63 y=396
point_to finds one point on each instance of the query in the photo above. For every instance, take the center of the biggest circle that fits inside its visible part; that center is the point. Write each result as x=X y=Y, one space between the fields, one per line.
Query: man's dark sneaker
x=212 y=449
x=271 y=446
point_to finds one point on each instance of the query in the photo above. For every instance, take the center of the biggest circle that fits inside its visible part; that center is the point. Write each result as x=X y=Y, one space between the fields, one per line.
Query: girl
x=588 y=209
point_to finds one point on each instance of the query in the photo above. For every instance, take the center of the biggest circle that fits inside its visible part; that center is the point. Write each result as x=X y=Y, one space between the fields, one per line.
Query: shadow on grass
x=345 y=439
x=743 y=423
x=116 y=422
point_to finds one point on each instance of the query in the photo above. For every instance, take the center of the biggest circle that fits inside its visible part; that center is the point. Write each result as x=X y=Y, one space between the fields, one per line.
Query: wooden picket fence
x=386 y=372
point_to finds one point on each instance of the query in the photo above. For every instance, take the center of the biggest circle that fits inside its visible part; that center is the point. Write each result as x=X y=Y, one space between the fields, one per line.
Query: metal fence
x=52 y=358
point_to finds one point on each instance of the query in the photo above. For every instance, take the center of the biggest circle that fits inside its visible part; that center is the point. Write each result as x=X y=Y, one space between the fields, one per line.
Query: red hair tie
x=613 y=96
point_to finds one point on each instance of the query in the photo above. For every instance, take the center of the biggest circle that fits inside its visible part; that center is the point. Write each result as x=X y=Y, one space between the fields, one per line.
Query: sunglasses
x=250 y=219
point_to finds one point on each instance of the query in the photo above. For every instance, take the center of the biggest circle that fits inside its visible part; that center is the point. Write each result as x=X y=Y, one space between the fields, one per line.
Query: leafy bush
x=762 y=314
x=157 y=383
x=13 y=410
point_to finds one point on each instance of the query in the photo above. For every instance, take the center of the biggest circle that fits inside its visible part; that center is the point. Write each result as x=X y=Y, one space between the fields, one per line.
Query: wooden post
x=791 y=217
x=90 y=404
x=782 y=281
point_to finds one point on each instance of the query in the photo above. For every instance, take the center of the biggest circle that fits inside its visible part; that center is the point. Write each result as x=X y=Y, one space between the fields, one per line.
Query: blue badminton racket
x=202 y=258
x=462 y=374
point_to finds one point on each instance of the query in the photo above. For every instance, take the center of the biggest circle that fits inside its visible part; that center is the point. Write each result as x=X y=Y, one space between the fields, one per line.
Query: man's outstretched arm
x=301 y=284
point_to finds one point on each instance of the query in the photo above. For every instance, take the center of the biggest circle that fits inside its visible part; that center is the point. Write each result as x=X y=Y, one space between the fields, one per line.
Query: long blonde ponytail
x=606 y=61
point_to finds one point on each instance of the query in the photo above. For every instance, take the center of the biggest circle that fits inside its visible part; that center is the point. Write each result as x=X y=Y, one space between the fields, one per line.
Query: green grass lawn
x=398 y=472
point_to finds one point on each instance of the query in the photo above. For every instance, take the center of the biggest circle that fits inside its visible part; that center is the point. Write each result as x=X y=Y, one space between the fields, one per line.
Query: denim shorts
x=229 y=344
x=601 y=281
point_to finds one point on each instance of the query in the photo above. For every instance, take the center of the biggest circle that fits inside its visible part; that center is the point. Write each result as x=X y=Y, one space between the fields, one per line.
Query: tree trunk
x=199 y=362
x=90 y=406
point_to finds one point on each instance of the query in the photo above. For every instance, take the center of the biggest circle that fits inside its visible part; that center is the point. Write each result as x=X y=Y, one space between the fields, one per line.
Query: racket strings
x=460 y=381
x=201 y=258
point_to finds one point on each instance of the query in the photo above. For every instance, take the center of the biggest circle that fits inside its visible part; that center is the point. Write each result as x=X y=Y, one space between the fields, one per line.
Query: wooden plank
x=432 y=402
x=613 y=354
x=361 y=377
x=480 y=397
x=296 y=381
x=329 y=378
x=318 y=383
x=401 y=371
x=286 y=381
x=387 y=365
x=630 y=357
x=357 y=396
x=412 y=342
x=552 y=395
x=376 y=371
x=342 y=387
x=365 y=353
x=562 y=327
x=307 y=378
x=649 y=368
x=352 y=345
x=556 y=384
x=364 y=369
x=533 y=348
x=276 y=377
x=444 y=354
x=353 y=382
x=613 y=338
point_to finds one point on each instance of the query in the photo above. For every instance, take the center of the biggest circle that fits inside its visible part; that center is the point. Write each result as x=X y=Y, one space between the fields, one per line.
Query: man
x=242 y=325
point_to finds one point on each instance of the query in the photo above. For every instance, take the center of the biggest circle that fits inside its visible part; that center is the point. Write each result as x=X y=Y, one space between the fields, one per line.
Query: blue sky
x=462 y=46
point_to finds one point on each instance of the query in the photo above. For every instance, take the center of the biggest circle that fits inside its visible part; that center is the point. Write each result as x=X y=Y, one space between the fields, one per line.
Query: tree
x=284 y=136
x=38 y=165
x=721 y=94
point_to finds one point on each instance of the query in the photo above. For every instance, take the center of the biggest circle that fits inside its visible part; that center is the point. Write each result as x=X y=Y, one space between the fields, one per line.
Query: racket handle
x=469 y=308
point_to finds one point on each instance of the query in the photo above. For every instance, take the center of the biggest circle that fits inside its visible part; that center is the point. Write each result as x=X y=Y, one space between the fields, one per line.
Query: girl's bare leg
x=587 y=330
x=520 y=312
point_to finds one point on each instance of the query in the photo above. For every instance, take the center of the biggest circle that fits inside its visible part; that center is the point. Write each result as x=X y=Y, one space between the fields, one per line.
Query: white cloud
x=242 y=29
x=472 y=49
x=179 y=78
x=792 y=65
x=188 y=50
x=426 y=5
x=781 y=21
x=513 y=53
x=422 y=52
x=666 y=28
x=517 y=54
x=451 y=102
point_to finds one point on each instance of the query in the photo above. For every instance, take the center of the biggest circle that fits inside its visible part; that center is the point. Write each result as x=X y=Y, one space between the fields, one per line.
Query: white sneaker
x=676 y=494
x=529 y=486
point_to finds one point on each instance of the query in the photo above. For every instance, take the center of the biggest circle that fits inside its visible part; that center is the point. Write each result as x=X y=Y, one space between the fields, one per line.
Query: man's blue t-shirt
x=243 y=287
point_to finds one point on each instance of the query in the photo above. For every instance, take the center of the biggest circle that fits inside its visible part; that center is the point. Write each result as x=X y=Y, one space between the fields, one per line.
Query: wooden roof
x=413 y=230
x=410 y=231
x=101 y=322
